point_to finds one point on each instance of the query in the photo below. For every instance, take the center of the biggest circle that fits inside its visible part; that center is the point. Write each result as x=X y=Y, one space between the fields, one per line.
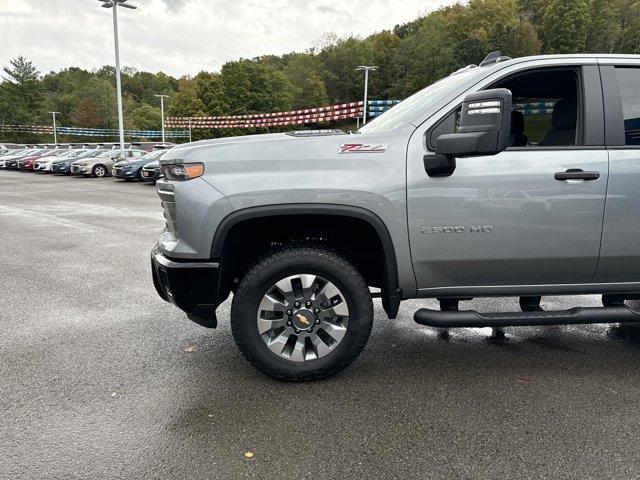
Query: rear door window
x=629 y=81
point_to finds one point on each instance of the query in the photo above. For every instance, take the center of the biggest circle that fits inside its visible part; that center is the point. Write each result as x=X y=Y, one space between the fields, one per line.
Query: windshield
x=24 y=153
x=109 y=153
x=60 y=153
x=156 y=154
x=410 y=110
x=75 y=153
x=12 y=153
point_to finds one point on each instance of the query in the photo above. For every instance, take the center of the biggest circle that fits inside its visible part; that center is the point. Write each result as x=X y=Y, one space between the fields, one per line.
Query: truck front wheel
x=303 y=313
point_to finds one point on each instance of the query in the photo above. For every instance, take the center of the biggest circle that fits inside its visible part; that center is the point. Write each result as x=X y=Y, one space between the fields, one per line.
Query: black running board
x=574 y=316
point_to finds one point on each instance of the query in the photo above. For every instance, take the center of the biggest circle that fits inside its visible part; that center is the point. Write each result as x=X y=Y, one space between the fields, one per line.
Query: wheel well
x=247 y=240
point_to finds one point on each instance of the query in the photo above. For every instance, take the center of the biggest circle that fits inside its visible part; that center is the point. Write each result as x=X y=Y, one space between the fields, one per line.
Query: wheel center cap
x=303 y=319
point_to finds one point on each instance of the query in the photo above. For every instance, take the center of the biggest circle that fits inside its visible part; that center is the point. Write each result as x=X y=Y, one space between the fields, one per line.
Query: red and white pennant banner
x=294 y=117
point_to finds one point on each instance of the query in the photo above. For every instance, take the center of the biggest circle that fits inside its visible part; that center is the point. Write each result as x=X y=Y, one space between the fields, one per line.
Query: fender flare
x=391 y=294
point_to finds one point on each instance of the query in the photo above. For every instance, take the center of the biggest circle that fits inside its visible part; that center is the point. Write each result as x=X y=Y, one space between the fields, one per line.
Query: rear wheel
x=99 y=171
x=304 y=313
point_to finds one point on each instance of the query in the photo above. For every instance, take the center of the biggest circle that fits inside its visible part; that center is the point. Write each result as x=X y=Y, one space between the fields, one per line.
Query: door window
x=629 y=81
x=545 y=110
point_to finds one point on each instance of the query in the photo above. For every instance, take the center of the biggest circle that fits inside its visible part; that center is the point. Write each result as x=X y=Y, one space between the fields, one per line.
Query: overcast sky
x=185 y=36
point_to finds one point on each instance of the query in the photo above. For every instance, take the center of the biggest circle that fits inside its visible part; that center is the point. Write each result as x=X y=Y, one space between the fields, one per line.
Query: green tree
x=604 y=30
x=304 y=73
x=253 y=87
x=565 y=26
x=186 y=102
x=210 y=92
x=22 y=94
x=145 y=117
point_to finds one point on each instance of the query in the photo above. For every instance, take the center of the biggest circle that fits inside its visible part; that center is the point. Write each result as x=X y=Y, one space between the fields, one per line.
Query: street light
x=366 y=69
x=113 y=4
x=55 y=134
x=162 y=97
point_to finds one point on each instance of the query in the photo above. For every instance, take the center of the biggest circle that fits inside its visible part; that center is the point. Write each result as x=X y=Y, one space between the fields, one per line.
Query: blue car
x=132 y=169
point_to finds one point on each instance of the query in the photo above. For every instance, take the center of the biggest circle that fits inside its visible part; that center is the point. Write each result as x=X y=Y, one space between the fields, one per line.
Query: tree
x=343 y=82
x=565 y=25
x=22 y=94
x=307 y=86
x=145 y=117
x=210 y=92
x=186 y=102
x=253 y=87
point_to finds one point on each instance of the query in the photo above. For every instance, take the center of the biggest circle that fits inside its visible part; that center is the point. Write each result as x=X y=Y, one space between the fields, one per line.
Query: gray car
x=518 y=177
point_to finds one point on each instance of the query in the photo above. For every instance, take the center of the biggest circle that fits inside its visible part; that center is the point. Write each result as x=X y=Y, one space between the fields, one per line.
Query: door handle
x=576 y=174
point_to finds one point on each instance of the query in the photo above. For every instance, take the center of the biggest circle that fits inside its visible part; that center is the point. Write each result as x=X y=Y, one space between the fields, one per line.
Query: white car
x=44 y=164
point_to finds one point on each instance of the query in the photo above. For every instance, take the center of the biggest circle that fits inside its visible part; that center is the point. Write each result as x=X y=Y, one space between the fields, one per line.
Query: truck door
x=513 y=219
x=620 y=254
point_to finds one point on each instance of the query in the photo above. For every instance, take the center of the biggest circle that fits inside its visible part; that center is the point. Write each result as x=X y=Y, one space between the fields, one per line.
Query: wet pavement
x=99 y=378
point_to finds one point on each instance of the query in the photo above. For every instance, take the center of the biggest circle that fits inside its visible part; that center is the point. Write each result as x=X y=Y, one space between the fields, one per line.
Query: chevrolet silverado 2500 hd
x=517 y=177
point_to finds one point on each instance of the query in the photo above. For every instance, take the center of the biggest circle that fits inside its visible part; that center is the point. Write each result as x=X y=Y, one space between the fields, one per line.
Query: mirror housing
x=485 y=125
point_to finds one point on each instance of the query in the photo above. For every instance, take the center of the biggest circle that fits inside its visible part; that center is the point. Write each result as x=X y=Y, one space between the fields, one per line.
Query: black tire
x=139 y=175
x=98 y=169
x=291 y=261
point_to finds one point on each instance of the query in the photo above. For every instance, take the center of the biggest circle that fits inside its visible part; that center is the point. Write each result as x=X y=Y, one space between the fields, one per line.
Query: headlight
x=183 y=171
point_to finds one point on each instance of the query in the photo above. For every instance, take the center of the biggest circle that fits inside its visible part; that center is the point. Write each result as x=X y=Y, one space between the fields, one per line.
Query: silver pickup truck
x=517 y=177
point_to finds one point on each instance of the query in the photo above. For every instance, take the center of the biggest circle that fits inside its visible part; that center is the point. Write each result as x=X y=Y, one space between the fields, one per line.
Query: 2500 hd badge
x=457 y=229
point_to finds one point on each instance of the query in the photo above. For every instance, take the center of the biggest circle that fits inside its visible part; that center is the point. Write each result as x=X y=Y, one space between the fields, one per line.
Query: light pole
x=366 y=69
x=113 y=4
x=162 y=97
x=189 y=129
x=55 y=133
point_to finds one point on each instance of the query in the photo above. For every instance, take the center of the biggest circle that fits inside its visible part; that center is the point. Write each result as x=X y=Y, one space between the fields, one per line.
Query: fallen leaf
x=210 y=415
x=248 y=454
x=191 y=348
x=114 y=394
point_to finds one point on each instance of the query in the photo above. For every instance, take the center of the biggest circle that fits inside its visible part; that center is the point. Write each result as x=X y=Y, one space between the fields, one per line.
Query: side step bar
x=574 y=316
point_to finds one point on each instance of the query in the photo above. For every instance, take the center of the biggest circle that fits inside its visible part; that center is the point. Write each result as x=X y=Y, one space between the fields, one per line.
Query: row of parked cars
x=139 y=161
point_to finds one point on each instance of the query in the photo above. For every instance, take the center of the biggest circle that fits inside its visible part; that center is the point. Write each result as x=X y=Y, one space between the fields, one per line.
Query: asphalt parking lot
x=99 y=378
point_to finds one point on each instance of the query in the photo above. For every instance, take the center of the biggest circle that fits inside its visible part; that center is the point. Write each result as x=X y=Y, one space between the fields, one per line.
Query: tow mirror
x=485 y=126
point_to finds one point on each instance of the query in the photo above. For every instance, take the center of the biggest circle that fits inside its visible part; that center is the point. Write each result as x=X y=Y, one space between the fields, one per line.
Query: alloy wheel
x=303 y=317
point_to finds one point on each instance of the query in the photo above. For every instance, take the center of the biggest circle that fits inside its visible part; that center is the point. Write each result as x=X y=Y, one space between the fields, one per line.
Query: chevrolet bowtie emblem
x=303 y=319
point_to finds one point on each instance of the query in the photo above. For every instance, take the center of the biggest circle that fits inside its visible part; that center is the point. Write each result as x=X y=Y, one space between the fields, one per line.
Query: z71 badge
x=363 y=148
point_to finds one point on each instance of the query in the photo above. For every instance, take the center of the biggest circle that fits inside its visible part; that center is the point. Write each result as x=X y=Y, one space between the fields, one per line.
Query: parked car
x=28 y=163
x=10 y=161
x=151 y=172
x=102 y=165
x=301 y=226
x=6 y=148
x=62 y=164
x=132 y=169
x=7 y=156
x=43 y=164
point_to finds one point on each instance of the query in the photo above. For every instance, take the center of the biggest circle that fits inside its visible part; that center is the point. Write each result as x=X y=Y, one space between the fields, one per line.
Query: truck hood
x=293 y=146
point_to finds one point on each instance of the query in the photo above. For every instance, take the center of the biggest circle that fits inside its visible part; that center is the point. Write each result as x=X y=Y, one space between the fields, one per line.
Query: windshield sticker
x=363 y=148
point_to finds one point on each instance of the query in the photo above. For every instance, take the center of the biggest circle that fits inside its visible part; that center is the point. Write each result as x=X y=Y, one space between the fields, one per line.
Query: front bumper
x=190 y=286
x=121 y=173
x=150 y=175
x=78 y=170
x=61 y=168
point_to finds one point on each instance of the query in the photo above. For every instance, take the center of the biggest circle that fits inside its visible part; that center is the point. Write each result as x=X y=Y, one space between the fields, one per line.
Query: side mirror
x=485 y=125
